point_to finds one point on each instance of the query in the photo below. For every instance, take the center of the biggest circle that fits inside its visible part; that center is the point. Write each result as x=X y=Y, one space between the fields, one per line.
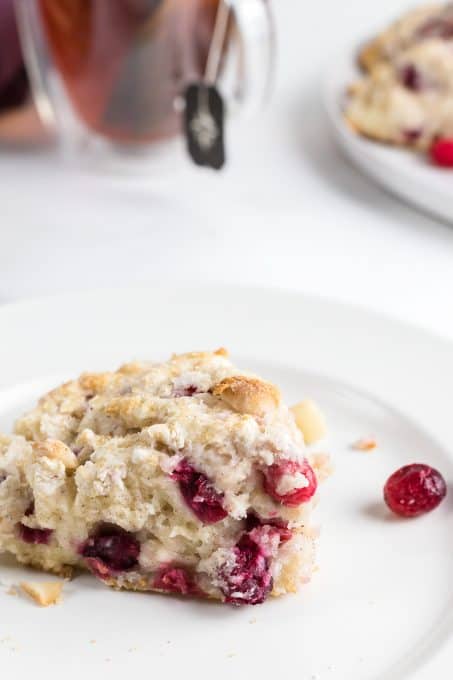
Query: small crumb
x=132 y=649
x=168 y=642
x=12 y=590
x=43 y=593
x=108 y=659
x=365 y=444
x=252 y=621
x=93 y=642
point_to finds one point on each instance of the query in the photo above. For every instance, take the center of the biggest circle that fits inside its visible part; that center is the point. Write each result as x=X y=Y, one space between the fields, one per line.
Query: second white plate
x=406 y=174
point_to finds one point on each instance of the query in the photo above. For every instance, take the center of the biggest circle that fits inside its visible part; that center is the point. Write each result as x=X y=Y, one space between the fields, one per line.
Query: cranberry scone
x=413 y=25
x=187 y=476
x=406 y=95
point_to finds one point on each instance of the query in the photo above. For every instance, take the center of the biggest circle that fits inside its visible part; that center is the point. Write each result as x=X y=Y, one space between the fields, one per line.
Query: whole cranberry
x=414 y=490
x=441 y=152
x=275 y=475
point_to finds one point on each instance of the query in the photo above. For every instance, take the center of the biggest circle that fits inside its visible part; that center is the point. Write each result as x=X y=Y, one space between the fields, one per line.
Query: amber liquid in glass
x=124 y=62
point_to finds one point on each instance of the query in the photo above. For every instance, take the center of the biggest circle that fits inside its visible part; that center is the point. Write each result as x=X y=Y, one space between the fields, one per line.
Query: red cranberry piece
x=3 y=476
x=411 y=77
x=284 y=533
x=35 y=536
x=175 y=580
x=199 y=493
x=187 y=391
x=441 y=152
x=253 y=521
x=98 y=567
x=30 y=510
x=274 y=474
x=411 y=135
x=249 y=580
x=111 y=549
x=414 y=489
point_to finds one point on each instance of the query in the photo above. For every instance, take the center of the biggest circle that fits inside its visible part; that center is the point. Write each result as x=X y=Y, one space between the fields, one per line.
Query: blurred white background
x=288 y=212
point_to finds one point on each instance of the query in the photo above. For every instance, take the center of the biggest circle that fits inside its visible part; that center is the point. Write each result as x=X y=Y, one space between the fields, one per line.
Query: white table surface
x=289 y=211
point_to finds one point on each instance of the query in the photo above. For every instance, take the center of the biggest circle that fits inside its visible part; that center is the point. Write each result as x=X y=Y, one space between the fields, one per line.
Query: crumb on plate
x=365 y=444
x=43 y=593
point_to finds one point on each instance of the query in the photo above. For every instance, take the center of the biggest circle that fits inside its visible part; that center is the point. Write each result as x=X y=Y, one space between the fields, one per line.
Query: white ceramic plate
x=406 y=174
x=380 y=607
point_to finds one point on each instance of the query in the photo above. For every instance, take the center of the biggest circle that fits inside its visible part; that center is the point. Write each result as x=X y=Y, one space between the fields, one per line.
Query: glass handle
x=257 y=51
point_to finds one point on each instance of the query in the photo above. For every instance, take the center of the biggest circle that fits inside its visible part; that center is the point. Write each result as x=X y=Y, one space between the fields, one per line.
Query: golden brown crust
x=131 y=368
x=351 y=125
x=142 y=585
x=370 y=54
x=55 y=449
x=248 y=395
x=133 y=411
x=59 y=392
x=94 y=382
x=194 y=356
